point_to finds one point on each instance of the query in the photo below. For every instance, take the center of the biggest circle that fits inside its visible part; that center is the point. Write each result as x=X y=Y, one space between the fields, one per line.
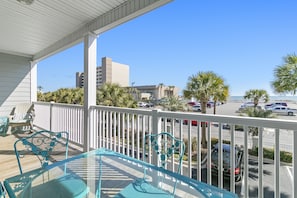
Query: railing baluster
x=100 y=129
x=208 y=153
x=108 y=131
x=260 y=164
x=246 y=164
x=118 y=132
x=180 y=132
x=115 y=118
x=138 y=146
x=232 y=159
x=189 y=174
x=198 y=153
x=128 y=134
x=295 y=163
x=143 y=135
x=276 y=165
x=220 y=161
x=123 y=132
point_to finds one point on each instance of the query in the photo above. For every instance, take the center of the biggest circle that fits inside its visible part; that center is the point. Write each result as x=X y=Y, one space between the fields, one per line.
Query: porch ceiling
x=48 y=26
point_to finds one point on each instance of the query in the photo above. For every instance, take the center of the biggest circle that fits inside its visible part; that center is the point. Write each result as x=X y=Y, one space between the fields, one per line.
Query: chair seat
x=142 y=189
x=63 y=187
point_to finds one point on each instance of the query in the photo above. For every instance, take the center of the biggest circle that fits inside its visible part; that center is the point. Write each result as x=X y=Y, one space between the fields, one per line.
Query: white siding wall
x=15 y=81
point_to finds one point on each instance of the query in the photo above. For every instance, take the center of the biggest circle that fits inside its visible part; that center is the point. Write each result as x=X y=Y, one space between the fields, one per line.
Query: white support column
x=33 y=86
x=90 y=61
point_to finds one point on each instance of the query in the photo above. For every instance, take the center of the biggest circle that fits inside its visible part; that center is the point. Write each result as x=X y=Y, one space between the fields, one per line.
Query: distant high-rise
x=110 y=72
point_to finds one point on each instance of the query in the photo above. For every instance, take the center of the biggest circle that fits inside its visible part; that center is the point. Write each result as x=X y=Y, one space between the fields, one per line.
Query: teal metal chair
x=167 y=150
x=49 y=146
x=2 y=191
x=4 y=121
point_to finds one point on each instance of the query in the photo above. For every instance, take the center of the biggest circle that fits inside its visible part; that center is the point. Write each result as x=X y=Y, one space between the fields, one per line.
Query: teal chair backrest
x=2 y=191
x=3 y=125
x=45 y=145
x=166 y=147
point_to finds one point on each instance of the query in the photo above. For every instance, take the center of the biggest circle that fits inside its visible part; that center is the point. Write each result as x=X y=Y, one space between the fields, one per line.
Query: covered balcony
x=122 y=130
x=34 y=31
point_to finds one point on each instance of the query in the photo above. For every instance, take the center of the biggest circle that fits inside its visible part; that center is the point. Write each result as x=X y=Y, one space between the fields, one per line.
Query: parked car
x=282 y=110
x=238 y=169
x=275 y=104
x=236 y=127
x=245 y=105
x=197 y=108
x=191 y=103
x=209 y=104
x=149 y=104
x=142 y=104
x=194 y=123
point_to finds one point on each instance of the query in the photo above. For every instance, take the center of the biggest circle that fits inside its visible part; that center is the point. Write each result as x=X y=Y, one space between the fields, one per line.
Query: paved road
x=286 y=137
x=286 y=180
x=286 y=176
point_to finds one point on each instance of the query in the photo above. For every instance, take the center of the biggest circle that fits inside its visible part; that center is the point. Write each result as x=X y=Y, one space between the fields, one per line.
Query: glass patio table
x=110 y=174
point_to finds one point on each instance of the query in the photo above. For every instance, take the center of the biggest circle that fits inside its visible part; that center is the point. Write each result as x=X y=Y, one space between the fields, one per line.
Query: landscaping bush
x=269 y=154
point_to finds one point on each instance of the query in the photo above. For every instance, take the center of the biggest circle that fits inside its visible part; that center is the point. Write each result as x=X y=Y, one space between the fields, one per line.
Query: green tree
x=221 y=92
x=285 y=76
x=259 y=113
x=63 y=95
x=256 y=95
x=111 y=94
x=174 y=104
x=203 y=86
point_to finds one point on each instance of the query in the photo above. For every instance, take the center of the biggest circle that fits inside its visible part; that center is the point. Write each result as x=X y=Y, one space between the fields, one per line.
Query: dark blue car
x=238 y=152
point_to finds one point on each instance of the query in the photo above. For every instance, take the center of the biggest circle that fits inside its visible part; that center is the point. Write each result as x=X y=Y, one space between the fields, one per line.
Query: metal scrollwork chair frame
x=43 y=144
x=166 y=147
x=2 y=191
x=163 y=149
x=49 y=146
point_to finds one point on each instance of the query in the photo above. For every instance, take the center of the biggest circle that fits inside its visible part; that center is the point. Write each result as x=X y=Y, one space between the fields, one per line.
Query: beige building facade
x=156 y=92
x=108 y=72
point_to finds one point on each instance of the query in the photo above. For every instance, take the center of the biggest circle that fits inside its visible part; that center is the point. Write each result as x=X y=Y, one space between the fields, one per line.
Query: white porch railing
x=123 y=129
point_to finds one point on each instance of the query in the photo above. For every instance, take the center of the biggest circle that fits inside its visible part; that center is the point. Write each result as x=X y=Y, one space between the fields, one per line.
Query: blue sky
x=241 y=41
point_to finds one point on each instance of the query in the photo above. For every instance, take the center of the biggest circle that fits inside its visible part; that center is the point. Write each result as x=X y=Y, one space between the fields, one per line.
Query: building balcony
x=123 y=129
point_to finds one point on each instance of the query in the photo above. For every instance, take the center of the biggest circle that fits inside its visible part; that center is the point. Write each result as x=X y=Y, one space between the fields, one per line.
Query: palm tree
x=286 y=76
x=221 y=93
x=259 y=113
x=111 y=94
x=203 y=86
x=256 y=95
x=174 y=104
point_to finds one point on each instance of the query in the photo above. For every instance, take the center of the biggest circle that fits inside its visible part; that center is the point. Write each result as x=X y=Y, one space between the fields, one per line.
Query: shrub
x=269 y=154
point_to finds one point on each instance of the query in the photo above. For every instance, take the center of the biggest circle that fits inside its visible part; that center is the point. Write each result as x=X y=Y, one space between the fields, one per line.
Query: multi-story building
x=110 y=72
x=156 y=92
x=113 y=72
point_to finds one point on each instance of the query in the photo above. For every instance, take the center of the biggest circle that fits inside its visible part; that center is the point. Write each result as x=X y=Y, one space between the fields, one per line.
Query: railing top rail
x=123 y=110
x=238 y=120
x=59 y=104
